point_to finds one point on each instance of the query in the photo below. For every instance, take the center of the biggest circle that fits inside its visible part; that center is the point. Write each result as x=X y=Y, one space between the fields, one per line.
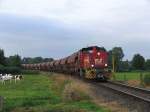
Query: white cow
x=5 y=77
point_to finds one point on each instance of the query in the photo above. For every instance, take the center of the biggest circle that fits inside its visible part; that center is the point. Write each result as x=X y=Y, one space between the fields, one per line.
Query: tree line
x=9 y=64
x=12 y=64
x=29 y=60
x=138 y=62
x=116 y=55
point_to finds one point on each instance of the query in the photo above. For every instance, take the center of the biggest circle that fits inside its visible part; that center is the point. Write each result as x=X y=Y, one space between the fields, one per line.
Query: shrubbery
x=12 y=70
x=147 y=79
x=30 y=72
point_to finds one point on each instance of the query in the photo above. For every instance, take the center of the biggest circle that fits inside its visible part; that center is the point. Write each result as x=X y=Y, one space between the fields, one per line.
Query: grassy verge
x=129 y=75
x=46 y=93
x=134 y=78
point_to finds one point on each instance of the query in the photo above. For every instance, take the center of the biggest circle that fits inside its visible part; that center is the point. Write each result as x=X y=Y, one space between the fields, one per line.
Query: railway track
x=134 y=97
x=140 y=93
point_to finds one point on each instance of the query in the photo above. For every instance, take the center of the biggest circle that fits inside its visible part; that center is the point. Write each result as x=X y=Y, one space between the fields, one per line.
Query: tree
x=110 y=58
x=117 y=55
x=147 y=64
x=14 y=61
x=2 y=57
x=125 y=66
x=27 y=60
x=138 y=62
x=48 y=59
x=36 y=60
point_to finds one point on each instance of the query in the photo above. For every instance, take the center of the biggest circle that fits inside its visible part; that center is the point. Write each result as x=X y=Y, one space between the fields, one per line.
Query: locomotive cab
x=93 y=63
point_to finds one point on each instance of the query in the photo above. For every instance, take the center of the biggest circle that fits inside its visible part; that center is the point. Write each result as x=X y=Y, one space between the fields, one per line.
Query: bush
x=30 y=72
x=147 y=79
x=12 y=70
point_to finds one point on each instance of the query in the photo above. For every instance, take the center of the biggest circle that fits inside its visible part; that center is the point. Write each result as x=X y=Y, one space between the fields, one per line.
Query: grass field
x=129 y=75
x=41 y=93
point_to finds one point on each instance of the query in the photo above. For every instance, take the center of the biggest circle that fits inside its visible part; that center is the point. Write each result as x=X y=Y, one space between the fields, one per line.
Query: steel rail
x=138 y=93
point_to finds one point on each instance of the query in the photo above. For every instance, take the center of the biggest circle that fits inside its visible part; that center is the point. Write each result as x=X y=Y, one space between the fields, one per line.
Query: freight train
x=89 y=63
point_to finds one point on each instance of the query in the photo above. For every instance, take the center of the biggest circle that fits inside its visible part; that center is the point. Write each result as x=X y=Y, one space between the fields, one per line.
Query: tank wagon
x=89 y=63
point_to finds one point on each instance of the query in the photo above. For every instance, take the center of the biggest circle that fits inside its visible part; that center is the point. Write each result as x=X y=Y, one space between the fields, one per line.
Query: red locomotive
x=89 y=63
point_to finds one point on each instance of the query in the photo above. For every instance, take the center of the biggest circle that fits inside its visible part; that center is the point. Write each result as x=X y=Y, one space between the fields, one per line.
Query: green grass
x=37 y=93
x=128 y=76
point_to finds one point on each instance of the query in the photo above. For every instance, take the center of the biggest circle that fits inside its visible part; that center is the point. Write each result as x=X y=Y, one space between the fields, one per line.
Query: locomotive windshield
x=90 y=49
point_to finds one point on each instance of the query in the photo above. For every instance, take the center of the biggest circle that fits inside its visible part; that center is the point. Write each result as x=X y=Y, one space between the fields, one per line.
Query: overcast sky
x=57 y=28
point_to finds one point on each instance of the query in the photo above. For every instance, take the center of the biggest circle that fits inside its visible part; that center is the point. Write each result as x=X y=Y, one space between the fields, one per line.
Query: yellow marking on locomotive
x=90 y=73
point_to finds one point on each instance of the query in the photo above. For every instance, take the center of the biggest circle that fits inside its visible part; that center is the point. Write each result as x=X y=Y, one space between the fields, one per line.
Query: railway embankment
x=91 y=90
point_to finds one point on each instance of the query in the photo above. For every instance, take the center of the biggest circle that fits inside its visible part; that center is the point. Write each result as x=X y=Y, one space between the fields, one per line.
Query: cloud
x=33 y=37
x=59 y=27
x=77 y=11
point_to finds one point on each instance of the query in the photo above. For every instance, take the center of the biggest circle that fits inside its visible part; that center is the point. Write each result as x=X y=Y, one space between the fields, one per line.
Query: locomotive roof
x=91 y=48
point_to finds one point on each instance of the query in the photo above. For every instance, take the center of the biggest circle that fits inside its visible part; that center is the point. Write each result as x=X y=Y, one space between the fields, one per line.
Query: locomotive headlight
x=92 y=65
x=106 y=65
x=99 y=76
x=98 y=53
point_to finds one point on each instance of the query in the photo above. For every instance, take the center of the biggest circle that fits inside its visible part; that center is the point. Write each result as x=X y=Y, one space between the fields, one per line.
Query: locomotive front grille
x=90 y=73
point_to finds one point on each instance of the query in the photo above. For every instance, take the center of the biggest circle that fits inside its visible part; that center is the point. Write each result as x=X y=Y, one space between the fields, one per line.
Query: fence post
x=125 y=78
x=1 y=103
x=114 y=76
x=141 y=79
